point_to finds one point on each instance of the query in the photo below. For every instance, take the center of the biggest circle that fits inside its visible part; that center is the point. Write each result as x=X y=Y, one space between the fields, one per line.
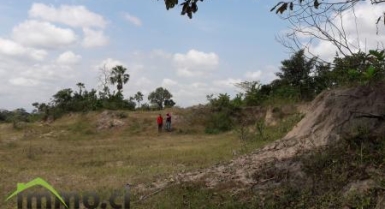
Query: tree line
x=82 y=100
x=299 y=80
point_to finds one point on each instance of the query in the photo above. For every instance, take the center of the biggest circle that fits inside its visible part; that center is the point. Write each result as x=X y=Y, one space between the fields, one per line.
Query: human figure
x=159 y=120
x=168 y=122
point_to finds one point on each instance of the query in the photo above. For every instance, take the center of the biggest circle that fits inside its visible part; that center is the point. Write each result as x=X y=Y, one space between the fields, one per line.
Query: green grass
x=72 y=155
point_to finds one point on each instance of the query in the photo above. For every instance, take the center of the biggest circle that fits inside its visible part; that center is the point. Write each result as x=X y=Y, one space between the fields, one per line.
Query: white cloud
x=74 y=16
x=168 y=82
x=41 y=74
x=11 y=48
x=228 y=83
x=49 y=73
x=133 y=19
x=195 y=58
x=94 y=38
x=24 y=83
x=42 y=34
x=161 y=54
x=193 y=93
x=359 y=27
x=109 y=63
x=143 y=81
x=254 y=75
x=195 y=63
x=185 y=72
x=20 y=81
x=265 y=75
x=199 y=85
x=68 y=58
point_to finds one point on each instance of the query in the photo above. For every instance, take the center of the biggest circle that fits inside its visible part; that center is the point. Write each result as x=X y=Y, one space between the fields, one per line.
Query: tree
x=251 y=92
x=169 y=103
x=119 y=77
x=81 y=87
x=139 y=97
x=295 y=72
x=323 y=20
x=159 y=96
x=62 y=97
x=221 y=102
x=104 y=80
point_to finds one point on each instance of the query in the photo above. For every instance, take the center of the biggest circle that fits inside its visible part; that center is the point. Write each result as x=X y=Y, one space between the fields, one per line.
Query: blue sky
x=46 y=46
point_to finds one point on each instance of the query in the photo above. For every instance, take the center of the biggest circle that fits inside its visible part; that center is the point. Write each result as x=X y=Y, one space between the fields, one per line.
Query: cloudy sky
x=46 y=46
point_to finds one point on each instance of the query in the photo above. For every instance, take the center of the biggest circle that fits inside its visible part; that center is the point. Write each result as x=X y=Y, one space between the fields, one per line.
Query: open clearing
x=75 y=154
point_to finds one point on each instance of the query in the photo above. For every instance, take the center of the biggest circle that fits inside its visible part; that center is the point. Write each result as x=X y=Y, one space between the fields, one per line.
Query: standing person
x=159 y=120
x=168 y=122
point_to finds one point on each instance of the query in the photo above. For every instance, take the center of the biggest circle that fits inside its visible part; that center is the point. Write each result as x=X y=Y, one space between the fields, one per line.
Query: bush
x=219 y=122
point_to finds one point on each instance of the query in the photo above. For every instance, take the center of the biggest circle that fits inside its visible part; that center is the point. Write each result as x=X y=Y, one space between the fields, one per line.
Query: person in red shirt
x=159 y=120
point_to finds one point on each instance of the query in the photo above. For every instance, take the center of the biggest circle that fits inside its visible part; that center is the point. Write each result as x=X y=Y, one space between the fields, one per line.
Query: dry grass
x=72 y=155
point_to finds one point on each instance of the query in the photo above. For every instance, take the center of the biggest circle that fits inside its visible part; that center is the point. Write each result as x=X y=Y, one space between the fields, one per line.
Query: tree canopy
x=159 y=96
x=119 y=77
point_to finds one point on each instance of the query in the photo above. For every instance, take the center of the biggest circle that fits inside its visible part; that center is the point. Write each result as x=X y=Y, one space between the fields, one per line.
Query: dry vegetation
x=102 y=151
x=333 y=158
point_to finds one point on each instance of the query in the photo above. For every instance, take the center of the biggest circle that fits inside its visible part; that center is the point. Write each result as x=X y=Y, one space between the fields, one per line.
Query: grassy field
x=72 y=154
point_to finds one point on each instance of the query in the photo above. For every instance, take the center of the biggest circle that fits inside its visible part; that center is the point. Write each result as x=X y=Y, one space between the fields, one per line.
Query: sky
x=46 y=46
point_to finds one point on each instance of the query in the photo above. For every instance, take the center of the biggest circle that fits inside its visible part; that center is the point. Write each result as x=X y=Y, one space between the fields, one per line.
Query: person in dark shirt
x=168 y=122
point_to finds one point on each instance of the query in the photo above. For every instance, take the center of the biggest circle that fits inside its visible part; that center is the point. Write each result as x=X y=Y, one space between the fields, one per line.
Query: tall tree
x=159 y=96
x=62 y=97
x=251 y=91
x=295 y=72
x=81 y=87
x=119 y=77
x=104 y=81
x=139 y=97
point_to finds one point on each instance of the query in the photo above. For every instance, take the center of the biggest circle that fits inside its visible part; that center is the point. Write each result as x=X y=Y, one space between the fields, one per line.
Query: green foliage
x=159 y=96
x=169 y=103
x=359 y=68
x=295 y=72
x=68 y=100
x=253 y=94
x=138 y=97
x=222 y=116
x=238 y=100
x=15 y=116
x=301 y=79
x=218 y=122
x=119 y=77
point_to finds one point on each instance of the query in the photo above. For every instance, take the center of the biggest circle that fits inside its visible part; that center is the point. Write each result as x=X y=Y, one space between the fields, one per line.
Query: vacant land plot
x=75 y=154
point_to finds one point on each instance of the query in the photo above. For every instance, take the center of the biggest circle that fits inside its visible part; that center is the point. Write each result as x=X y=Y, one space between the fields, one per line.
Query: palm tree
x=81 y=87
x=139 y=97
x=119 y=77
